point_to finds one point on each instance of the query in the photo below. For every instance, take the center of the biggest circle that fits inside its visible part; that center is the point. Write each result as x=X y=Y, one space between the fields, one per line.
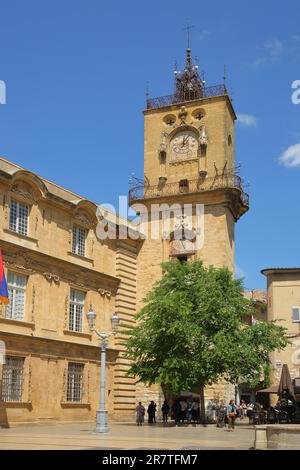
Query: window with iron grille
x=79 y=237
x=75 y=382
x=76 y=310
x=12 y=379
x=18 y=217
x=15 y=309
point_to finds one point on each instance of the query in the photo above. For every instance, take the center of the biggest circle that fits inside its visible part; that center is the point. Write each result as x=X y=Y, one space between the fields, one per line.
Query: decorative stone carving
x=24 y=191
x=66 y=312
x=163 y=142
x=19 y=267
x=51 y=277
x=82 y=218
x=203 y=139
x=36 y=223
x=29 y=380
x=179 y=247
x=104 y=292
x=182 y=221
x=33 y=304
x=182 y=115
x=64 y=385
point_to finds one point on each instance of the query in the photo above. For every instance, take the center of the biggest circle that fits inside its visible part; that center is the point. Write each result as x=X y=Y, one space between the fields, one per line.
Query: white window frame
x=18 y=217
x=295 y=308
x=79 y=236
x=15 y=291
x=76 y=310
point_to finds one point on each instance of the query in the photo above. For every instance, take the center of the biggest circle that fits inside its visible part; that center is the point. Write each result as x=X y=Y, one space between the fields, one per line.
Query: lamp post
x=101 y=414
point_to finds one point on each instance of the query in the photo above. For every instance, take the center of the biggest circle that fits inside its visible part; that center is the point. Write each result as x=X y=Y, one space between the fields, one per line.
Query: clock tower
x=189 y=162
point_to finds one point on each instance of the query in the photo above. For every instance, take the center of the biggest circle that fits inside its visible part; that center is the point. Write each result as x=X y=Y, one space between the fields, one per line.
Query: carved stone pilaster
x=33 y=304
x=66 y=312
x=29 y=381
x=64 y=384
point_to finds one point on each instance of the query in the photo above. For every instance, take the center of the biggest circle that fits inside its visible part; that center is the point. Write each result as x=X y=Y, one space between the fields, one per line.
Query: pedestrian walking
x=165 y=411
x=195 y=411
x=176 y=409
x=154 y=417
x=232 y=412
x=183 y=407
x=140 y=414
x=151 y=412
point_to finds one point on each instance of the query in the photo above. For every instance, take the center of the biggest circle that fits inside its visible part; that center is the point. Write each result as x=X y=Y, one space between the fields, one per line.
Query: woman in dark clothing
x=176 y=409
x=151 y=412
x=165 y=411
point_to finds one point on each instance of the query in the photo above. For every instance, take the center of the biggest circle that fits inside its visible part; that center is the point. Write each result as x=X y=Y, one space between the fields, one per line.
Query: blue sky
x=76 y=74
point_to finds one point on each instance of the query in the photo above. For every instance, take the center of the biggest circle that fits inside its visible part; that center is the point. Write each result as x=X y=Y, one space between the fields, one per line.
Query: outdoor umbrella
x=286 y=384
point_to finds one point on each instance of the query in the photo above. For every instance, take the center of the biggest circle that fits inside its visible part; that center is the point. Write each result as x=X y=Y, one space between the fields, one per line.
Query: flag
x=3 y=286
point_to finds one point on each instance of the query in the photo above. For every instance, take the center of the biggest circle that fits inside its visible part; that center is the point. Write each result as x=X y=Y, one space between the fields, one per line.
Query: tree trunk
x=202 y=406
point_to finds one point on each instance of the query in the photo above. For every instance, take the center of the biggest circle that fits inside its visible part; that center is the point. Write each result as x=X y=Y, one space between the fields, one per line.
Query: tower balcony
x=230 y=184
x=177 y=98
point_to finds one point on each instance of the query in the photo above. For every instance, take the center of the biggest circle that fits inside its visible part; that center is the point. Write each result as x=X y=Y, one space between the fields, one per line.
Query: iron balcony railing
x=207 y=92
x=229 y=182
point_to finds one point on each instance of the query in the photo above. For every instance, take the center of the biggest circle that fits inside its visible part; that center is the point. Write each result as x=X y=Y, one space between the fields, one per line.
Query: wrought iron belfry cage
x=189 y=86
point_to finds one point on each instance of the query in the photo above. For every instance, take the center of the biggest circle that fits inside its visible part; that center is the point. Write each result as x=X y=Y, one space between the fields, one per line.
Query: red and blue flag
x=3 y=285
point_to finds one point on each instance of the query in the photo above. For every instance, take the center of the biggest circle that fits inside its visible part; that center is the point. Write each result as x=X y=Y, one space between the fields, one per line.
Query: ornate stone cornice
x=58 y=270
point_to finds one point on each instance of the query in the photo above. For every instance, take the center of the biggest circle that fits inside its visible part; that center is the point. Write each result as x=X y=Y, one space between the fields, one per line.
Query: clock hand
x=185 y=139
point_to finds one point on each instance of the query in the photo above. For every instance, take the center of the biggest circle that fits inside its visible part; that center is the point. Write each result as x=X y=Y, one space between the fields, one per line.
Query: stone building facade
x=283 y=300
x=57 y=267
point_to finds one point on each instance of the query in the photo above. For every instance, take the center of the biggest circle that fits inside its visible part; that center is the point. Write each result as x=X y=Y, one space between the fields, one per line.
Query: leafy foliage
x=191 y=331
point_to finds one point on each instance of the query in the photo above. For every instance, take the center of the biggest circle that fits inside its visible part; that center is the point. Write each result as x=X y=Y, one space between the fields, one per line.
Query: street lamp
x=101 y=414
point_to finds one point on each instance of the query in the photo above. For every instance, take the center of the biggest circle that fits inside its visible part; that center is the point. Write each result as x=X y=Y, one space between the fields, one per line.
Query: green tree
x=191 y=332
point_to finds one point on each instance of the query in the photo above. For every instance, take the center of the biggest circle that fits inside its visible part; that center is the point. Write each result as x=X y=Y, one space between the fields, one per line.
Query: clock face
x=184 y=144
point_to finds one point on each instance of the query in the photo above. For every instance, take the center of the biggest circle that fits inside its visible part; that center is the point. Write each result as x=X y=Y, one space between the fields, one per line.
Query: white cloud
x=239 y=272
x=291 y=156
x=203 y=34
x=247 y=120
x=272 y=51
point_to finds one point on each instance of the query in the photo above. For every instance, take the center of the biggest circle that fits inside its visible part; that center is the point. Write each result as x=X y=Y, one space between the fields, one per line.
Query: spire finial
x=188 y=29
x=225 y=74
x=147 y=90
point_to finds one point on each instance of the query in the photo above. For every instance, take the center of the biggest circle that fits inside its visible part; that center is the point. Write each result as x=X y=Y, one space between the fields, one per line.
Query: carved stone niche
x=24 y=192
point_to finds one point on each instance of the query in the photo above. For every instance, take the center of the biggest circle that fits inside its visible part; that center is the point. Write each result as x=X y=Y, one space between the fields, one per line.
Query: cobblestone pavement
x=126 y=436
